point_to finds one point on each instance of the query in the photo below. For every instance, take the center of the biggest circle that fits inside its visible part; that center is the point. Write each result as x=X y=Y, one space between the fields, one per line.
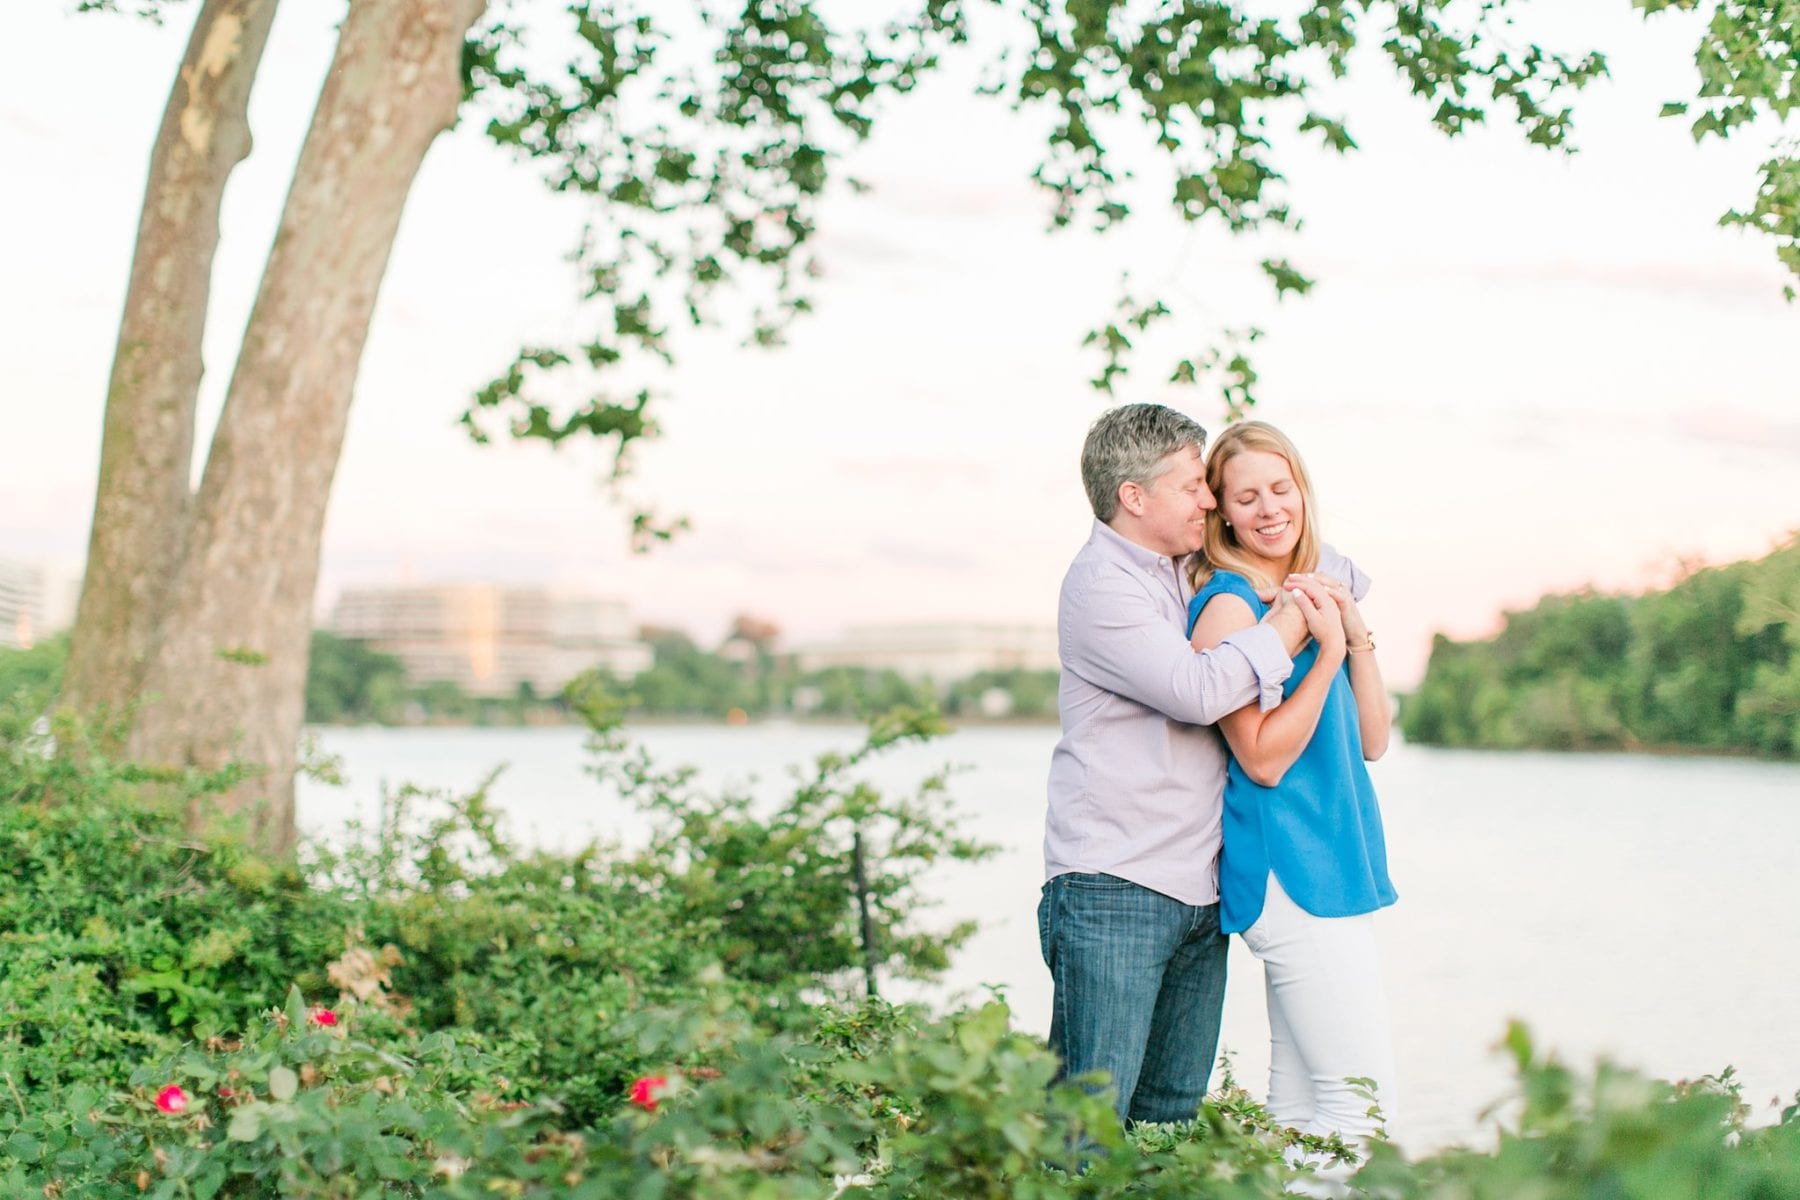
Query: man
x=1129 y=919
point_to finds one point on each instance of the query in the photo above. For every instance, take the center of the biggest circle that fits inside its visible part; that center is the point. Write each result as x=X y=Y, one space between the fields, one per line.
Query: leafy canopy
x=704 y=135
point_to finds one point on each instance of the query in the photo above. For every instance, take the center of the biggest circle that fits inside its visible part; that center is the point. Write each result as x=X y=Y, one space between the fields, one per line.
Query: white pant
x=1327 y=1018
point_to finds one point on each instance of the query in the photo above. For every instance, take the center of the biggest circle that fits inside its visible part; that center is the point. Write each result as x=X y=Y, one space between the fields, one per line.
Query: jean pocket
x=1095 y=882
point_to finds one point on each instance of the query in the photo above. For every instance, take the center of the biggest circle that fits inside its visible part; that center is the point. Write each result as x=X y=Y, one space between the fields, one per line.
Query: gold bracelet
x=1367 y=645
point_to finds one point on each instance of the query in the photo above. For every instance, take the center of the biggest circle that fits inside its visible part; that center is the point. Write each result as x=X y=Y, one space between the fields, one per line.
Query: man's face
x=1175 y=503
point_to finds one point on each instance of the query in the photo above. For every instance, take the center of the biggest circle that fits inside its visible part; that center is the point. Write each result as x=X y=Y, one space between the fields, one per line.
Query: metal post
x=860 y=879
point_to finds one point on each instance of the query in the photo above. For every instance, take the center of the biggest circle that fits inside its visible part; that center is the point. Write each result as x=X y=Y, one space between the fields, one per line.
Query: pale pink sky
x=1517 y=373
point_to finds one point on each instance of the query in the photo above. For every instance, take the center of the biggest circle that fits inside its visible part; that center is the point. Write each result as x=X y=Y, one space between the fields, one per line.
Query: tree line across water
x=1711 y=664
x=349 y=682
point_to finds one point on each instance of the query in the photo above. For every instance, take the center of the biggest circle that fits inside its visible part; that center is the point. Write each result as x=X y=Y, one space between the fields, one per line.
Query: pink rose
x=646 y=1088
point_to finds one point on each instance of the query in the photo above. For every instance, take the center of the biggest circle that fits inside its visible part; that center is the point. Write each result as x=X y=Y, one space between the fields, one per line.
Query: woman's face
x=1262 y=504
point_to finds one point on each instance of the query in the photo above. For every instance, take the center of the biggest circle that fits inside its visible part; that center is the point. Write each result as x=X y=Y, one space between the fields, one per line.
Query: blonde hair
x=1222 y=551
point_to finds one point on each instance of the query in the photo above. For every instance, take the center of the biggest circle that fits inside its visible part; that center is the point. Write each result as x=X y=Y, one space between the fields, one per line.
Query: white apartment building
x=943 y=652
x=591 y=631
x=487 y=640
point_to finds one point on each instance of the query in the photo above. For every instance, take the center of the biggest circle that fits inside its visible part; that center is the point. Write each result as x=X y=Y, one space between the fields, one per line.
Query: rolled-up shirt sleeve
x=1115 y=637
x=1262 y=646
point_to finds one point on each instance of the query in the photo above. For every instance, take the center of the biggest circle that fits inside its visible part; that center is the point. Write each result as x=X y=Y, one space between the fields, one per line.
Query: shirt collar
x=1123 y=547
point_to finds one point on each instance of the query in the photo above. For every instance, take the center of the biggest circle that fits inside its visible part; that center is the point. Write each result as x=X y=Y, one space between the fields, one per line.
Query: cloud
x=21 y=122
x=923 y=556
x=915 y=197
x=1664 y=278
x=1736 y=428
x=914 y=472
x=867 y=249
x=768 y=558
x=774 y=548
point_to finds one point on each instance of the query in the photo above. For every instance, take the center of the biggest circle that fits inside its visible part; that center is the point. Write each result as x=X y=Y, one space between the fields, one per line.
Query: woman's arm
x=1267 y=743
x=1374 y=719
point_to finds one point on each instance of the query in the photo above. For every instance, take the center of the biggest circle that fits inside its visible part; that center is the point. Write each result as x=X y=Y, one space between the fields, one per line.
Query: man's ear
x=1131 y=497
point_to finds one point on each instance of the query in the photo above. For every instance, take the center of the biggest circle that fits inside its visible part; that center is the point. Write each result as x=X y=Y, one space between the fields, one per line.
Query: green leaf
x=283 y=1083
x=296 y=1008
x=1018 y=1135
x=1285 y=278
x=1518 y=1043
x=246 y=1124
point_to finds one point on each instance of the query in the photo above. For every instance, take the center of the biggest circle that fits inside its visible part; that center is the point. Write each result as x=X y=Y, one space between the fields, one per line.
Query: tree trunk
x=226 y=678
x=147 y=451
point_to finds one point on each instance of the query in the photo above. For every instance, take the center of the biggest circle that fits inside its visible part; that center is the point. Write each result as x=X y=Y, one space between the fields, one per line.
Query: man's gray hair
x=1128 y=445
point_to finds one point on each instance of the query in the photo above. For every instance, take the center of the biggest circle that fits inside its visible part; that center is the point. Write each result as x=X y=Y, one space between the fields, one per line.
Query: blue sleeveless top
x=1319 y=829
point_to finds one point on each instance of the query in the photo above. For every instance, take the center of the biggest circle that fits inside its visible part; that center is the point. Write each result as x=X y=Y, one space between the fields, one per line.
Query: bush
x=125 y=934
x=31 y=677
x=1613 y=1133
x=560 y=1025
x=121 y=933
x=825 y=885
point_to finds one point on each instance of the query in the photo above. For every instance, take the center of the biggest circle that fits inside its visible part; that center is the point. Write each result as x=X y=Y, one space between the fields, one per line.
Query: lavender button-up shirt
x=1137 y=781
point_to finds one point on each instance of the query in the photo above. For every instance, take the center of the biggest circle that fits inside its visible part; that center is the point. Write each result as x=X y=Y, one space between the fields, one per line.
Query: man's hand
x=1270 y=595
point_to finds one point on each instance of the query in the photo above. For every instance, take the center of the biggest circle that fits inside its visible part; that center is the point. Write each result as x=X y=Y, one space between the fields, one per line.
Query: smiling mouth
x=1273 y=531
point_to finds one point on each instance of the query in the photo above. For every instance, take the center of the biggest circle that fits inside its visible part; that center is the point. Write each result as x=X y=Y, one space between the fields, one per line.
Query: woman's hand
x=1324 y=617
x=1266 y=743
x=1373 y=716
x=1356 y=630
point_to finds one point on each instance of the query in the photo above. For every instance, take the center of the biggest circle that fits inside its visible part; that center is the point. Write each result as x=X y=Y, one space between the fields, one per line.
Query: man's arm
x=1115 y=637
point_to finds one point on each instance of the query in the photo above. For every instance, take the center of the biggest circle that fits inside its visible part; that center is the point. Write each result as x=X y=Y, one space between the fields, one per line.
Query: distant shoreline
x=669 y=720
x=1656 y=750
x=1646 y=750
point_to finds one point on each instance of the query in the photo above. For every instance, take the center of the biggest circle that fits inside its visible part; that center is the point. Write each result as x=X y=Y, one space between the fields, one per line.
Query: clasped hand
x=1319 y=607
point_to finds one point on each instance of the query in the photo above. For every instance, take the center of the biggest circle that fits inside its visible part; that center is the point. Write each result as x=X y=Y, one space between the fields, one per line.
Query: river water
x=1643 y=909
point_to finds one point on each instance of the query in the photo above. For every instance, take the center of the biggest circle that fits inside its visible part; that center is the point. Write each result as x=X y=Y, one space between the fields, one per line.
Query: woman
x=1304 y=864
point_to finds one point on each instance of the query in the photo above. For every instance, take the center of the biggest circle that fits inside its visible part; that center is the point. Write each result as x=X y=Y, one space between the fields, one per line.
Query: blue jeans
x=1140 y=983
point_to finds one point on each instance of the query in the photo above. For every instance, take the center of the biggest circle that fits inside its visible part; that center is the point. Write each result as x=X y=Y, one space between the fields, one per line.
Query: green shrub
x=122 y=933
x=299 y=1108
x=125 y=934
x=586 y=1025
x=779 y=893
x=1613 y=1133
x=29 y=678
